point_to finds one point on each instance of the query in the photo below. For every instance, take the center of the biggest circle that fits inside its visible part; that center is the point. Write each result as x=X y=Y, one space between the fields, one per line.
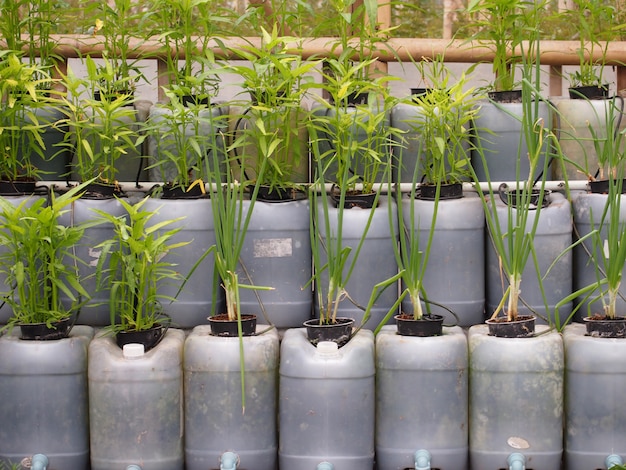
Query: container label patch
x=273 y=248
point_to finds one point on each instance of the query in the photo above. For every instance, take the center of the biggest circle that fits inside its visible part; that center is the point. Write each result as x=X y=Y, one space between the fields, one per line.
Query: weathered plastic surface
x=44 y=405
x=575 y=116
x=375 y=263
x=96 y=311
x=498 y=126
x=515 y=399
x=588 y=209
x=455 y=275
x=214 y=419
x=421 y=399
x=552 y=238
x=326 y=406
x=204 y=131
x=277 y=253
x=595 y=418
x=405 y=118
x=136 y=405
x=55 y=159
x=194 y=304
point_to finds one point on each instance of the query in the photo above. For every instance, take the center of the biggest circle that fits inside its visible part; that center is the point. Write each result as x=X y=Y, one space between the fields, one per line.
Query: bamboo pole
x=553 y=52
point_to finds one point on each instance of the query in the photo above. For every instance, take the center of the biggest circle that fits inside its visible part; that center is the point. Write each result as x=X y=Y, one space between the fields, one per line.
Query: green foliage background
x=304 y=18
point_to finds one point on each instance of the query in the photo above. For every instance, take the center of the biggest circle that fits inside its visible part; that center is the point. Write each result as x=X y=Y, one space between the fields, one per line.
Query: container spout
x=39 y=462
x=325 y=466
x=612 y=461
x=422 y=460
x=133 y=467
x=516 y=461
x=229 y=461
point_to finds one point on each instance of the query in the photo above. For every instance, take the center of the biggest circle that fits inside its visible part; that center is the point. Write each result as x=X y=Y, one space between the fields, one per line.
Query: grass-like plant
x=613 y=247
x=230 y=220
x=608 y=143
x=513 y=240
x=38 y=259
x=331 y=254
x=131 y=264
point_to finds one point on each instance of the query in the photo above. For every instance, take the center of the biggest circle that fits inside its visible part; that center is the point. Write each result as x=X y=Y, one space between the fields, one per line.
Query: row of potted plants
x=227 y=155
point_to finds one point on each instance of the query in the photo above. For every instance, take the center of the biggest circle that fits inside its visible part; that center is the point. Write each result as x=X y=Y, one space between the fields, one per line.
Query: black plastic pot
x=515 y=197
x=339 y=332
x=590 y=92
x=221 y=325
x=428 y=325
x=275 y=194
x=43 y=332
x=353 y=199
x=603 y=327
x=149 y=338
x=602 y=186
x=17 y=188
x=428 y=192
x=523 y=327
x=102 y=191
x=193 y=100
x=178 y=192
x=506 y=96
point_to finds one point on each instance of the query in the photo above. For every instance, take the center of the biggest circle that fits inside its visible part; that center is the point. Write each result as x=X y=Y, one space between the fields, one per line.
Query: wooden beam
x=552 y=52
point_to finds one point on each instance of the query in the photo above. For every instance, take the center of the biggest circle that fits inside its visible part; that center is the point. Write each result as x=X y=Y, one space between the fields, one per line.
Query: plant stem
x=515 y=281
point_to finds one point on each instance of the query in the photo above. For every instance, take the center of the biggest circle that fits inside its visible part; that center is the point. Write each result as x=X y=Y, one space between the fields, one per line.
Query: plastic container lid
x=133 y=350
x=328 y=349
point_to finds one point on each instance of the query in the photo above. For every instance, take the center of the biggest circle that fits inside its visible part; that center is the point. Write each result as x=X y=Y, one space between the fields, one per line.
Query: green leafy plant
x=21 y=131
x=500 y=26
x=38 y=258
x=27 y=25
x=131 y=264
x=276 y=80
x=444 y=124
x=352 y=140
x=117 y=22
x=186 y=29
x=182 y=137
x=103 y=130
x=595 y=27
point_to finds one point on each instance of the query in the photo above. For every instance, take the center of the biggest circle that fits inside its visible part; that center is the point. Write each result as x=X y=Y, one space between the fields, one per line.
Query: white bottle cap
x=327 y=349
x=133 y=350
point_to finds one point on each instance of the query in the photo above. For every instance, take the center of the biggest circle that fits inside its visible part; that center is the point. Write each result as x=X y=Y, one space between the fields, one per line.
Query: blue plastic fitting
x=229 y=461
x=422 y=460
x=612 y=461
x=39 y=462
x=325 y=466
x=516 y=461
